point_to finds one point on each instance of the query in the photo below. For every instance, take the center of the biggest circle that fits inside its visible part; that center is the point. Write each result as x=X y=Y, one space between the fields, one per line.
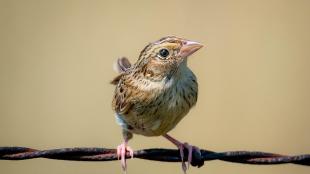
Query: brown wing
x=129 y=98
x=122 y=101
x=116 y=80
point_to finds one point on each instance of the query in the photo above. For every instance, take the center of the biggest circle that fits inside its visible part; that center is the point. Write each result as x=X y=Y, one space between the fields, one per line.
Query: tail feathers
x=121 y=65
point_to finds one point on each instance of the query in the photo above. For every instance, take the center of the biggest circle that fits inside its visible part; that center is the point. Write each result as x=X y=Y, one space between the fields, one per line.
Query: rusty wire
x=166 y=155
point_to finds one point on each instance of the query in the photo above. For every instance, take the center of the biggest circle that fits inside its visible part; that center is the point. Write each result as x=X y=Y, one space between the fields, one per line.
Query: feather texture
x=154 y=94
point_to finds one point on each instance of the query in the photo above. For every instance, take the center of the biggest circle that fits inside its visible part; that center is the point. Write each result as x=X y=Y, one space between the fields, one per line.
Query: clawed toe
x=121 y=154
x=190 y=150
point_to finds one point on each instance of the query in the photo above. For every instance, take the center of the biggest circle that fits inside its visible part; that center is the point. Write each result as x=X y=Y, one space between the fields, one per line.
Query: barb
x=166 y=155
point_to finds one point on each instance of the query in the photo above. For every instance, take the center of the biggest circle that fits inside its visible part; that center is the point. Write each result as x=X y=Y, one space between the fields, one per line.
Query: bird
x=153 y=95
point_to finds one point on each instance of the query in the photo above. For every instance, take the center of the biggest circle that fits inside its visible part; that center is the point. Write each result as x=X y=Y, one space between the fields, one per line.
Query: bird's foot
x=190 y=149
x=121 y=154
x=182 y=147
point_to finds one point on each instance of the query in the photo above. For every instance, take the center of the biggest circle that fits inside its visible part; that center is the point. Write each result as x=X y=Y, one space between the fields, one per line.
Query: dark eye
x=164 y=53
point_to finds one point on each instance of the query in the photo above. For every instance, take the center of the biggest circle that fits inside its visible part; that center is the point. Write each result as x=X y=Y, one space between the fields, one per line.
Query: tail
x=121 y=65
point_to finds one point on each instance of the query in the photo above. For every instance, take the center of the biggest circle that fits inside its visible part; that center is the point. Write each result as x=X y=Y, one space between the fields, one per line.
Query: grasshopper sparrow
x=155 y=93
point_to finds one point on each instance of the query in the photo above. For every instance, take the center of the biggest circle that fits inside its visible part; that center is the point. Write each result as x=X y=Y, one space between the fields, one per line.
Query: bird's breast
x=162 y=109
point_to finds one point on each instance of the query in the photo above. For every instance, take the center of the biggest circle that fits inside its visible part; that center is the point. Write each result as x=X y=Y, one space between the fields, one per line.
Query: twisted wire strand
x=156 y=154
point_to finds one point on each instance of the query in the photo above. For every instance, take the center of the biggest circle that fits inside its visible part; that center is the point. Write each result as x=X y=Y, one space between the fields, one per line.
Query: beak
x=189 y=48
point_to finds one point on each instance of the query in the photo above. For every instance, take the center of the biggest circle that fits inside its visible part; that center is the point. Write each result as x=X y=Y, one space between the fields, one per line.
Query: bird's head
x=165 y=57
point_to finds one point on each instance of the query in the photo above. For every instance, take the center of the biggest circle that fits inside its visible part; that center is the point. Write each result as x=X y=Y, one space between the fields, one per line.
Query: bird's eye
x=164 y=53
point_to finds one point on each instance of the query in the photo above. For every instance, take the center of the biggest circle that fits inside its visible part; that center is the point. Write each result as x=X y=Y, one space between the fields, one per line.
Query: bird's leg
x=181 y=147
x=123 y=148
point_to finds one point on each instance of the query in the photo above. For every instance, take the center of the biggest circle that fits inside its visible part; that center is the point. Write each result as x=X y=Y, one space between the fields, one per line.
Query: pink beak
x=189 y=48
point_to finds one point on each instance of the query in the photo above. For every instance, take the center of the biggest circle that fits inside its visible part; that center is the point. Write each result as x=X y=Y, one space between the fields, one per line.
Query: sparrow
x=154 y=94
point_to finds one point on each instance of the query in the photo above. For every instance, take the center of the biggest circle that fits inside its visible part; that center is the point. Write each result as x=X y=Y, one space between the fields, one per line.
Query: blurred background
x=56 y=63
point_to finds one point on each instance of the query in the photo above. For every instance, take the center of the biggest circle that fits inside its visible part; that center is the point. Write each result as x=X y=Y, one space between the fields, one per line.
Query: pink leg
x=181 y=147
x=121 y=154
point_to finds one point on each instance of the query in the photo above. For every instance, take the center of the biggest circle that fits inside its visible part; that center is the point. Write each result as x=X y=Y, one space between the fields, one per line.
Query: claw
x=121 y=154
x=181 y=147
x=190 y=154
x=189 y=148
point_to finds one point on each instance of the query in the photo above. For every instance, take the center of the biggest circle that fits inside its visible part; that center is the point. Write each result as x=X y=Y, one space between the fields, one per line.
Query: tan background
x=56 y=63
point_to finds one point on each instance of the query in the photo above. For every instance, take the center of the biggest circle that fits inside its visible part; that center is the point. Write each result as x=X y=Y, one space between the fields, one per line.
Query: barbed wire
x=156 y=154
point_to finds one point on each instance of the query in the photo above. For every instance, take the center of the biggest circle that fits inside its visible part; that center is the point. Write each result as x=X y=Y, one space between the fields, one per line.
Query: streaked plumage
x=155 y=93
